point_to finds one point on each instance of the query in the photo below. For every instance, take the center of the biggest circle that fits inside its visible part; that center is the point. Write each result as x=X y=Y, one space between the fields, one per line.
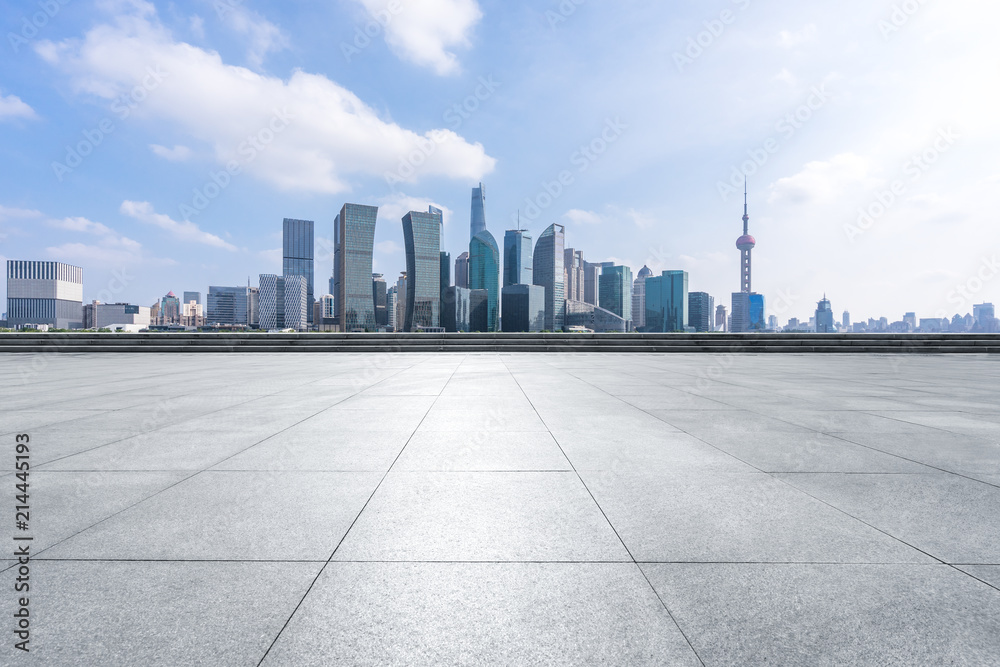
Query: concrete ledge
x=502 y=342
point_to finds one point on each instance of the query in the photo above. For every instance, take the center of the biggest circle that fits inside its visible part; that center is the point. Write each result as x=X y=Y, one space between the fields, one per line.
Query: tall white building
x=283 y=302
x=44 y=293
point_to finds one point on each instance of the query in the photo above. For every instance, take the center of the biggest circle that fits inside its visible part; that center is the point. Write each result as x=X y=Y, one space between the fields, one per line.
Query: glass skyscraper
x=701 y=311
x=229 y=305
x=667 y=302
x=298 y=256
x=523 y=308
x=478 y=211
x=422 y=237
x=462 y=270
x=484 y=274
x=354 y=244
x=548 y=272
x=517 y=262
x=616 y=291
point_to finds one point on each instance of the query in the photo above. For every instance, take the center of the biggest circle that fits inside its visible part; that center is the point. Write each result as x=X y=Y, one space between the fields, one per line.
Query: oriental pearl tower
x=745 y=243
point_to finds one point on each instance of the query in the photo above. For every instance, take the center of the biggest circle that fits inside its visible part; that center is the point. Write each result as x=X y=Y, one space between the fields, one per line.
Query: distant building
x=462 y=270
x=548 y=272
x=455 y=307
x=616 y=292
x=582 y=315
x=298 y=256
x=44 y=293
x=445 y=271
x=639 y=298
x=479 y=310
x=591 y=282
x=99 y=315
x=910 y=320
x=701 y=311
x=574 y=274
x=667 y=302
x=517 y=258
x=824 y=317
x=484 y=274
x=401 y=283
x=523 y=308
x=354 y=244
x=391 y=304
x=192 y=296
x=283 y=302
x=772 y=323
x=379 y=299
x=192 y=314
x=721 y=318
x=478 y=211
x=170 y=310
x=984 y=315
x=758 y=313
x=231 y=305
x=325 y=313
x=846 y=320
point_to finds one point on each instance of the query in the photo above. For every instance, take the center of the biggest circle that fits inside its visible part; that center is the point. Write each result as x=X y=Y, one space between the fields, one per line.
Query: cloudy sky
x=159 y=144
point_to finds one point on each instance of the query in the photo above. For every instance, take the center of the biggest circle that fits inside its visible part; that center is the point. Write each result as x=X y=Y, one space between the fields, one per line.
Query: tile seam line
x=326 y=564
x=663 y=604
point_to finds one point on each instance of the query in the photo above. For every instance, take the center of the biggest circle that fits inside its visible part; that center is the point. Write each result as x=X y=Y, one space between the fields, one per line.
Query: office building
x=574 y=274
x=401 y=301
x=824 y=317
x=484 y=274
x=445 y=271
x=523 y=308
x=517 y=258
x=701 y=311
x=478 y=211
x=910 y=321
x=615 y=293
x=667 y=302
x=462 y=270
x=591 y=282
x=984 y=316
x=758 y=313
x=391 y=304
x=582 y=315
x=639 y=298
x=44 y=293
x=192 y=296
x=284 y=302
x=354 y=244
x=455 y=307
x=721 y=318
x=422 y=238
x=170 y=310
x=479 y=310
x=740 y=320
x=379 y=298
x=192 y=315
x=548 y=272
x=231 y=305
x=299 y=250
x=846 y=321
x=99 y=315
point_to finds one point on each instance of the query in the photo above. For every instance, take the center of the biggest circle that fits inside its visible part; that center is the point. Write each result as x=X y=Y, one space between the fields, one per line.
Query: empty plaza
x=492 y=509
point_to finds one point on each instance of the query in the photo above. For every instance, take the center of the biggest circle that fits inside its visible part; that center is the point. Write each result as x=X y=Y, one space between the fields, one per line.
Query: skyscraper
x=742 y=305
x=170 y=309
x=616 y=291
x=462 y=271
x=548 y=272
x=455 y=306
x=484 y=274
x=354 y=244
x=44 y=293
x=846 y=320
x=445 y=271
x=824 y=316
x=721 y=318
x=701 y=311
x=231 y=305
x=298 y=256
x=573 y=274
x=667 y=302
x=523 y=308
x=283 y=302
x=192 y=296
x=422 y=237
x=478 y=211
x=639 y=298
x=379 y=297
x=517 y=262
x=591 y=282
x=401 y=301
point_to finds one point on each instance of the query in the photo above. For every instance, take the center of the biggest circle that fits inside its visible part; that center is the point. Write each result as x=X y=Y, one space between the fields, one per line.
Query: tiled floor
x=507 y=509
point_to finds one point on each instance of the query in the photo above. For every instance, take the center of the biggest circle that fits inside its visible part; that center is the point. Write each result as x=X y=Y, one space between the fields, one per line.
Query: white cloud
x=425 y=32
x=7 y=213
x=197 y=25
x=273 y=256
x=329 y=134
x=389 y=248
x=577 y=217
x=392 y=209
x=789 y=39
x=183 y=231
x=11 y=106
x=82 y=225
x=175 y=154
x=824 y=181
x=111 y=249
x=263 y=36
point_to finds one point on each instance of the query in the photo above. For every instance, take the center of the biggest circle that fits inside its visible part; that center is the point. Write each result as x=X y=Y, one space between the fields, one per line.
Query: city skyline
x=863 y=177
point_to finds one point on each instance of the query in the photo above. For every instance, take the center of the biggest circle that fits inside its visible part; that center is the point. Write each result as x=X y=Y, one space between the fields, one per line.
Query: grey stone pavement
x=497 y=509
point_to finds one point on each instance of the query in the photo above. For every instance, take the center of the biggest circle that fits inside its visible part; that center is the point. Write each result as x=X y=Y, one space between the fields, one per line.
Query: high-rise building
x=445 y=271
x=517 y=262
x=574 y=274
x=846 y=321
x=824 y=316
x=192 y=296
x=639 y=298
x=379 y=296
x=548 y=272
x=757 y=313
x=422 y=237
x=984 y=318
x=232 y=305
x=391 y=305
x=44 y=293
x=479 y=310
x=478 y=211
x=745 y=307
x=701 y=311
x=591 y=282
x=170 y=309
x=462 y=271
x=910 y=320
x=721 y=318
x=354 y=245
x=740 y=320
x=667 y=302
x=298 y=255
x=523 y=308
x=401 y=301
x=284 y=302
x=455 y=309
x=772 y=323
x=746 y=244
x=484 y=274
x=616 y=292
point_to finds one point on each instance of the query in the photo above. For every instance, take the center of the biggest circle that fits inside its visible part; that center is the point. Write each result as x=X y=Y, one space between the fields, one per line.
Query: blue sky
x=205 y=122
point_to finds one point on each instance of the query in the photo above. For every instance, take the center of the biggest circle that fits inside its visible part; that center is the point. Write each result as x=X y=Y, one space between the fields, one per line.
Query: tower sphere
x=746 y=242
